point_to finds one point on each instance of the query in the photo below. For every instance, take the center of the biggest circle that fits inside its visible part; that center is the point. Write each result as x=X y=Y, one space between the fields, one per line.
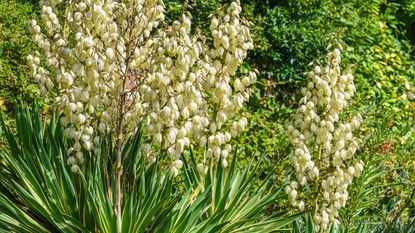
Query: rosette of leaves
x=39 y=193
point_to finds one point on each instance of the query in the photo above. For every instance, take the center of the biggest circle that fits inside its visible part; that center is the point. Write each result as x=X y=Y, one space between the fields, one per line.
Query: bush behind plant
x=15 y=45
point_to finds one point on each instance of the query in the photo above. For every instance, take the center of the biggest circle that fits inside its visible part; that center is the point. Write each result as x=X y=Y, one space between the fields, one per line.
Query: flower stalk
x=323 y=159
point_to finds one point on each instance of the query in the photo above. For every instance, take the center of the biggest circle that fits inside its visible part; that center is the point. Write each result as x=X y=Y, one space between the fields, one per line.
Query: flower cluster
x=117 y=64
x=323 y=159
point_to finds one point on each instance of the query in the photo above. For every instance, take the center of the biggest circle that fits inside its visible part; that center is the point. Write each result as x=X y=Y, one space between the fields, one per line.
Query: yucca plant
x=39 y=193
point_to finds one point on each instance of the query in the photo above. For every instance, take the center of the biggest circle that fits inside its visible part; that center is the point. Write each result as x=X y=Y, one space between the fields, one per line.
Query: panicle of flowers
x=324 y=148
x=117 y=63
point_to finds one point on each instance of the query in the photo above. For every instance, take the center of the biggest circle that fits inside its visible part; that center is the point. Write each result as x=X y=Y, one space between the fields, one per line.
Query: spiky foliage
x=38 y=193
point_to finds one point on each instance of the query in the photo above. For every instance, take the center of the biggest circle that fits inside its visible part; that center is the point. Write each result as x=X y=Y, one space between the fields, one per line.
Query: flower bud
x=75 y=168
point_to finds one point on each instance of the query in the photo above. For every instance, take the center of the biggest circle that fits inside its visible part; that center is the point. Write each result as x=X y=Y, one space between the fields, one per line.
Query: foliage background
x=378 y=37
x=15 y=45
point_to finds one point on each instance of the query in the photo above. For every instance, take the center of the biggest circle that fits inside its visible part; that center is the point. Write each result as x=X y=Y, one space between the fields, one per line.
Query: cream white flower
x=183 y=89
x=323 y=145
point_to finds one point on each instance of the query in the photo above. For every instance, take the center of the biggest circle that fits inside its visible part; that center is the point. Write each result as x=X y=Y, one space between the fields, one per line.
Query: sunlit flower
x=324 y=145
x=112 y=60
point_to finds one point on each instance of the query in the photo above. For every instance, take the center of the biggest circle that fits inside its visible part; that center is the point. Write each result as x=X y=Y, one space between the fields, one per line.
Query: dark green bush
x=15 y=45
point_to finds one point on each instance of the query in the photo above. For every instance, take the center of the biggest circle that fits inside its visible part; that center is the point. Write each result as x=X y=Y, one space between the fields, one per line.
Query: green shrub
x=384 y=66
x=15 y=45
